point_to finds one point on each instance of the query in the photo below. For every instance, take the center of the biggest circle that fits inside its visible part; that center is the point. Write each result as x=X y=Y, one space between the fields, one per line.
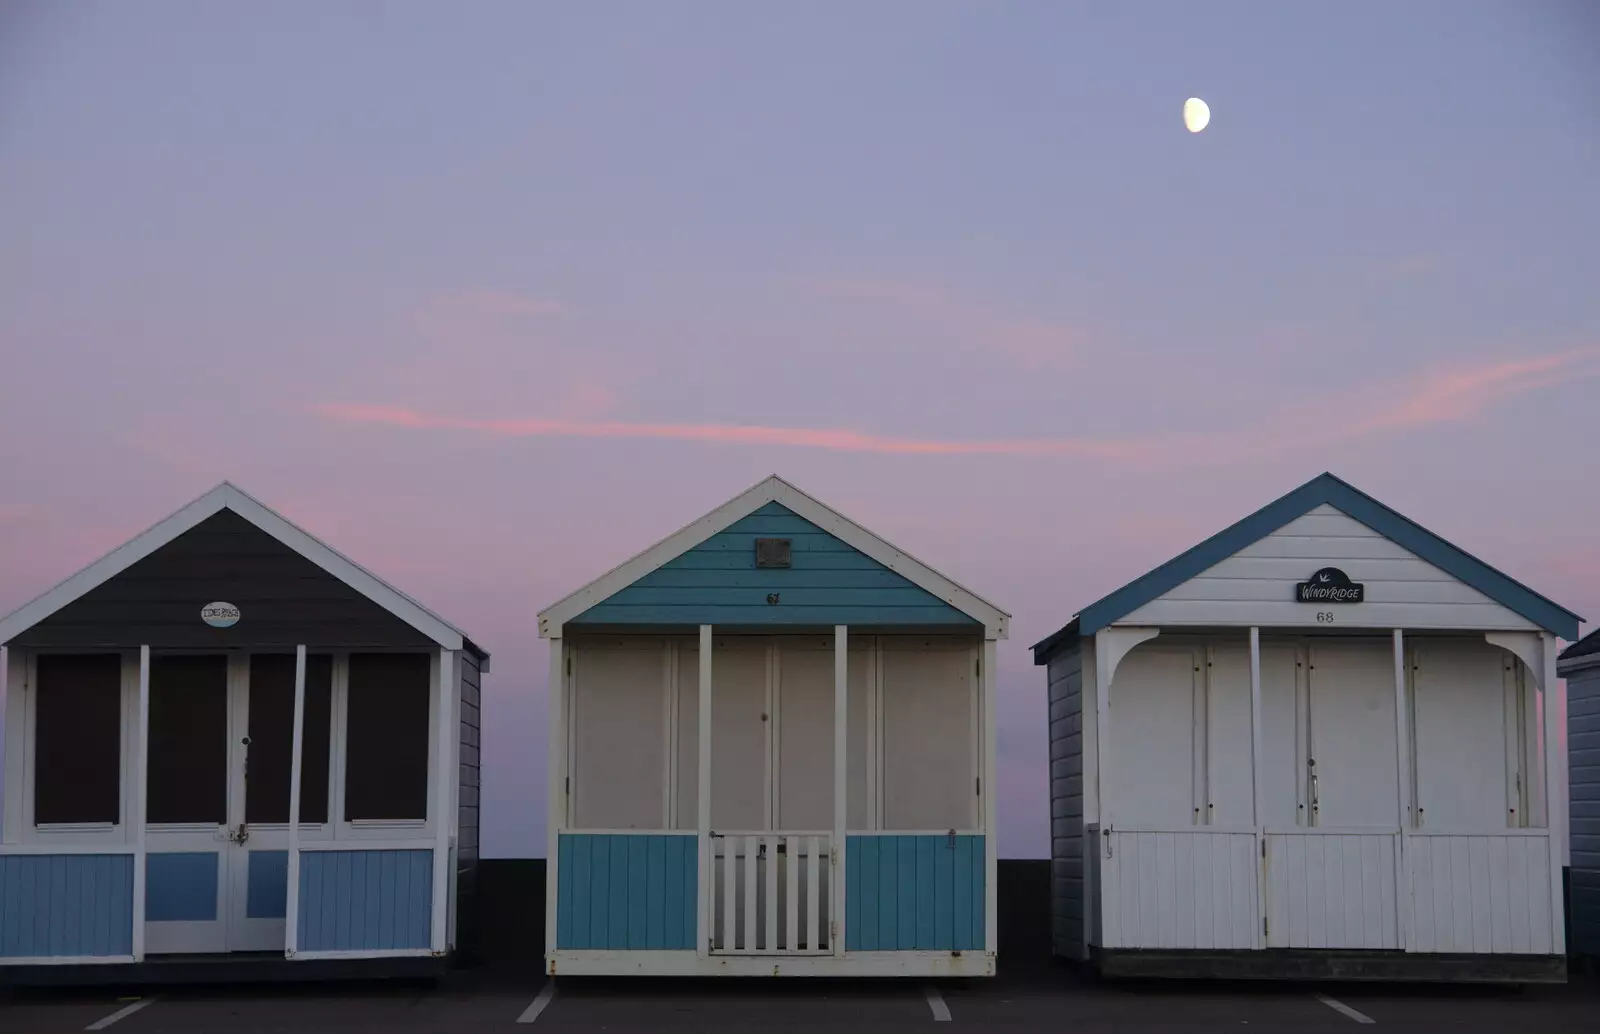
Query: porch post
x=1403 y=802
x=991 y=840
x=1554 y=809
x=441 y=810
x=702 y=815
x=141 y=762
x=291 y=912
x=555 y=712
x=841 y=719
x=1257 y=818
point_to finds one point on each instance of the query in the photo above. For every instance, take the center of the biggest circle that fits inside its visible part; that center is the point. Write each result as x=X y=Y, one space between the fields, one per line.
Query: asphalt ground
x=1052 y=1000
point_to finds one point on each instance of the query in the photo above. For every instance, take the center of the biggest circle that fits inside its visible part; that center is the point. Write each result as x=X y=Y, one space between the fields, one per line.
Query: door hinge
x=569 y=786
x=1263 y=926
x=977 y=786
x=977 y=668
x=1263 y=848
x=833 y=928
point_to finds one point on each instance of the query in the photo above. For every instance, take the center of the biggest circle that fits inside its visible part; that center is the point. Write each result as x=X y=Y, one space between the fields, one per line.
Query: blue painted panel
x=830 y=583
x=181 y=886
x=626 y=892
x=914 y=893
x=267 y=891
x=365 y=900
x=66 y=905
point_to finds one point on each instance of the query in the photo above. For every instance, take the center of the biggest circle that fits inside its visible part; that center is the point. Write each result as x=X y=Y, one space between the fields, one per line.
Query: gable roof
x=1586 y=649
x=227 y=496
x=1325 y=489
x=774 y=489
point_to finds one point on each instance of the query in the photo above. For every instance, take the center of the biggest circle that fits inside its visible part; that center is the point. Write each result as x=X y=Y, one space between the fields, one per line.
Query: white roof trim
x=226 y=496
x=774 y=489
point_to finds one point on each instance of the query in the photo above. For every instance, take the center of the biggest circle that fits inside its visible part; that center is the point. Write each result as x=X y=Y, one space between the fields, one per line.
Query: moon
x=1196 y=114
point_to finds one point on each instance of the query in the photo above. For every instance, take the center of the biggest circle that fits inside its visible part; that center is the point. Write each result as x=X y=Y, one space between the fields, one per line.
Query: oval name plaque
x=220 y=615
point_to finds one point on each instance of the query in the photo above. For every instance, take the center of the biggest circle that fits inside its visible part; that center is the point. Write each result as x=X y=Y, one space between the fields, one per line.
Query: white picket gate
x=770 y=893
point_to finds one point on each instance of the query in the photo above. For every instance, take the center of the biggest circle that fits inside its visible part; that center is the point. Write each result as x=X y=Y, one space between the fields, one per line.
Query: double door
x=221 y=730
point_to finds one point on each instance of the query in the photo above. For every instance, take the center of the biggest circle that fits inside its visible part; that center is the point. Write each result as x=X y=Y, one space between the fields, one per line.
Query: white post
x=291 y=914
x=1403 y=802
x=702 y=817
x=1555 y=820
x=556 y=786
x=141 y=763
x=991 y=841
x=443 y=781
x=841 y=720
x=1257 y=818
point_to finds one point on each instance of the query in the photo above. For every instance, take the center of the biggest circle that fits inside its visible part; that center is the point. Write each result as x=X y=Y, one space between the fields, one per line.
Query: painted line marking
x=941 y=1011
x=531 y=1013
x=1338 y=1006
x=122 y=1013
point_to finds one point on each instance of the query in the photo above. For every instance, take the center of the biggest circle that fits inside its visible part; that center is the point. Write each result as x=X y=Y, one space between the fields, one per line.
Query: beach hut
x=1579 y=664
x=231 y=753
x=1319 y=743
x=772 y=753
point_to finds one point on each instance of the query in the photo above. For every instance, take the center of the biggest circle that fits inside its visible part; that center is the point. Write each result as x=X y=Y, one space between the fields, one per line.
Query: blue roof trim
x=1321 y=490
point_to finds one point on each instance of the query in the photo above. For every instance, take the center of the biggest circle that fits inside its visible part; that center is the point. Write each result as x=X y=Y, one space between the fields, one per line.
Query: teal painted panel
x=181 y=887
x=627 y=892
x=914 y=893
x=267 y=885
x=365 y=900
x=62 y=906
x=830 y=583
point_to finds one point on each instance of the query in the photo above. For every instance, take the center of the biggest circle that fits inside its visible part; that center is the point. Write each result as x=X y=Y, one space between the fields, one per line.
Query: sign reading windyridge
x=1330 y=585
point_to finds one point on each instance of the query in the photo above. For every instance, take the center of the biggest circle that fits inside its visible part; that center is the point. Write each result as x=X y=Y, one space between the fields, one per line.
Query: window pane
x=188 y=740
x=386 y=737
x=271 y=750
x=78 y=739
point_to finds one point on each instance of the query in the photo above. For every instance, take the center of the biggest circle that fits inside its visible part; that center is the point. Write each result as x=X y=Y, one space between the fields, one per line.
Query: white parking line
x=1338 y=1006
x=531 y=1013
x=941 y=1011
x=121 y=1014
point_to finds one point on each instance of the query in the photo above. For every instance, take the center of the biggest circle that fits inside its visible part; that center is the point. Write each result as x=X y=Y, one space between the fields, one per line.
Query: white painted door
x=740 y=715
x=929 y=734
x=262 y=751
x=803 y=739
x=1459 y=702
x=189 y=785
x=1352 y=777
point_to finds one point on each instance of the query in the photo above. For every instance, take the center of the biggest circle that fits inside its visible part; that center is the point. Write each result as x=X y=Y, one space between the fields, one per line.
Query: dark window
x=386 y=737
x=271 y=751
x=188 y=740
x=78 y=739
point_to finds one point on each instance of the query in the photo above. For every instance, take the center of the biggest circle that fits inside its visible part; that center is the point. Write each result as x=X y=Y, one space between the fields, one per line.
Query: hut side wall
x=1583 y=753
x=467 y=843
x=1066 y=804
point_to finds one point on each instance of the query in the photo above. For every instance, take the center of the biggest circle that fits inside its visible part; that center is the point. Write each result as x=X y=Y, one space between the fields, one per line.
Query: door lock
x=239 y=835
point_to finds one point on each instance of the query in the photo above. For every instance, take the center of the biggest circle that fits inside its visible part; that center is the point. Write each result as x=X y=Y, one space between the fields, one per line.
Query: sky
x=491 y=296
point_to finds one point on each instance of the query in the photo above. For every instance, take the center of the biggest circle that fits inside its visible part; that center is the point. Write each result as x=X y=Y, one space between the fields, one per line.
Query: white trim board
x=774 y=489
x=576 y=962
x=227 y=496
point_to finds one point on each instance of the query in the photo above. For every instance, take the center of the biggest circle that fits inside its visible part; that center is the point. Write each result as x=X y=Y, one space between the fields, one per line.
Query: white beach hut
x=1323 y=742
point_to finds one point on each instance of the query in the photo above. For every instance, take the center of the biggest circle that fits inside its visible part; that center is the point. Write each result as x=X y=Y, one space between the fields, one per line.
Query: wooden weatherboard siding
x=365 y=900
x=717 y=582
x=627 y=892
x=1066 y=804
x=283 y=598
x=917 y=892
x=66 y=906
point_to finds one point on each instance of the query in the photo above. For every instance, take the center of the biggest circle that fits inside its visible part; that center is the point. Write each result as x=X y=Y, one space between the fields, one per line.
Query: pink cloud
x=1444 y=396
x=1457 y=394
x=835 y=439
